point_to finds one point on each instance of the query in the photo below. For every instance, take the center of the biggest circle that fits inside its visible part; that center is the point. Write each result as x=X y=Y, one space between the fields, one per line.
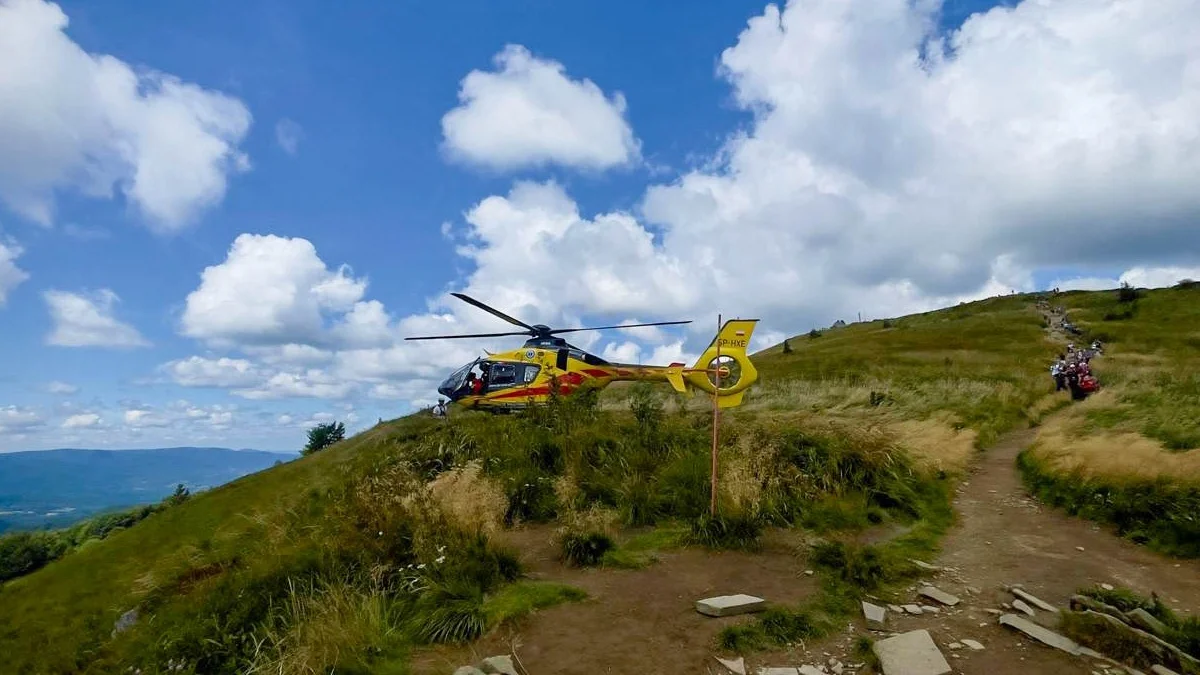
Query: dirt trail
x=1004 y=536
x=639 y=622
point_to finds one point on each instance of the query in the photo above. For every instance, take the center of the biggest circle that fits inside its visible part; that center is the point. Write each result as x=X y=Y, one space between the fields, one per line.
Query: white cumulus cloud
x=81 y=421
x=62 y=388
x=529 y=112
x=197 y=371
x=91 y=123
x=87 y=320
x=270 y=290
x=11 y=276
x=18 y=420
x=288 y=134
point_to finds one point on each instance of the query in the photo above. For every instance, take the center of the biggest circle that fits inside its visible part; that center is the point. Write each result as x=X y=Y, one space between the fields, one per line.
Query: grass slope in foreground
x=1130 y=455
x=357 y=555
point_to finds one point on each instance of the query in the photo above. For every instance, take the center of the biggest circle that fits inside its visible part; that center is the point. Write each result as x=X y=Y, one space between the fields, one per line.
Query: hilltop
x=383 y=552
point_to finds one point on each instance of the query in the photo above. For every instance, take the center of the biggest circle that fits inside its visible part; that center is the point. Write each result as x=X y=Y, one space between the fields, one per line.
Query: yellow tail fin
x=737 y=372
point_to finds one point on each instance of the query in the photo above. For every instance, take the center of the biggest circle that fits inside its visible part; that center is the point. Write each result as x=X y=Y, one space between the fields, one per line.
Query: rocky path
x=1004 y=536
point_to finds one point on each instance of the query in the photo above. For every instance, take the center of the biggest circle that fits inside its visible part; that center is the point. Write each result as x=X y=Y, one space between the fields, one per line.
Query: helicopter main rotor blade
x=491 y=310
x=624 y=325
x=473 y=335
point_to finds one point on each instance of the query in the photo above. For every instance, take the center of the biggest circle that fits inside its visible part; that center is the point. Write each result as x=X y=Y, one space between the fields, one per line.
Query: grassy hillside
x=1128 y=455
x=978 y=367
x=361 y=554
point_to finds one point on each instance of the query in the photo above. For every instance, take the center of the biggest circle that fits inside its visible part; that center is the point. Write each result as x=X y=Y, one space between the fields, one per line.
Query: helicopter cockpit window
x=531 y=372
x=455 y=385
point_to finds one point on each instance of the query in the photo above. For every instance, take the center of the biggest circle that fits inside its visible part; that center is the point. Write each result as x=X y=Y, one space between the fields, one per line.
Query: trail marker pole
x=716 y=420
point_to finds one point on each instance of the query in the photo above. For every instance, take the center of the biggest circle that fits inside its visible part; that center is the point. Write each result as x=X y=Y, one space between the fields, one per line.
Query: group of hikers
x=1073 y=371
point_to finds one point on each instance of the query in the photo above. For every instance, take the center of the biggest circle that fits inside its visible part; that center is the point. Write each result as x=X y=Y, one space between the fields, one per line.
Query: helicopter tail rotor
x=725 y=367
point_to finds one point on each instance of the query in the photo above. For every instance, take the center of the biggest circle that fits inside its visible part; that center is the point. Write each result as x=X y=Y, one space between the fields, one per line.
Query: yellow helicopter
x=546 y=363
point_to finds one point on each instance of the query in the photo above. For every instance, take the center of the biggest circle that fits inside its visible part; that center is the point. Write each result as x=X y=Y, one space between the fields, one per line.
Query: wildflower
x=421 y=566
x=440 y=560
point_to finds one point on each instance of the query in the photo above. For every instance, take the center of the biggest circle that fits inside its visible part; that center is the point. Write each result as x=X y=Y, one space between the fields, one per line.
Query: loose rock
x=926 y=566
x=931 y=610
x=126 y=621
x=779 y=671
x=939 y=596
x=811 y=670
x=1146 y=621
x=469 y=670
x=1033 y=600
x=1020 y=605
x=1043 y=635
x=913 y=609
x=499 y=665
x=912 y=653
x=973 y=644
x=955 y=645
x=896 y=608
x=875 y=615
x=737 y=665
x=730 y=605
x=1107 y=587
x=1151 y=645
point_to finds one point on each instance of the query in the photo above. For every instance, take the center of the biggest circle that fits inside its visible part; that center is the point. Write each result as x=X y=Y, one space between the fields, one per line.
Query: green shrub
x=452 y=614
x=584 y=549
x=1127 y=293
x=726 y=531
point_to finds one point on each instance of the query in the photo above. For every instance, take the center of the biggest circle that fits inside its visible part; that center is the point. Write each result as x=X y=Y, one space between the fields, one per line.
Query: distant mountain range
x=54 y=488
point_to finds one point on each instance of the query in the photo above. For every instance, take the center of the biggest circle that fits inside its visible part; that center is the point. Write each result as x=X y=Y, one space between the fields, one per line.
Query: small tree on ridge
x=322 y=436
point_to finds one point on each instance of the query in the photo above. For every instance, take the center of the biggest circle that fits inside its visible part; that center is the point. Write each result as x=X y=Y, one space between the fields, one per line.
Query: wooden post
x=716 y=420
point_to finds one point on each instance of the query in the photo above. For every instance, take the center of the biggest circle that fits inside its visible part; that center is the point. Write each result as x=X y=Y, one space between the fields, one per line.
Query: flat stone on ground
x=875 y=615
x=912 y=653
x=1146 y=621
x=730 y=605
x=499 y=665
x=1020 y=604
x=896 y=608
x=1034 y=600
x=778 y=671
x=469 y=670
x=810 y=670
x=973 y=644
x=939 y=595
x=737 y=665
x=1043 y=635
x=914 y=609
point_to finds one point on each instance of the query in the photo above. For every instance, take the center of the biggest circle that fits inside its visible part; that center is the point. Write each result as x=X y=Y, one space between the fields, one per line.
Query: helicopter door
x=561 y=364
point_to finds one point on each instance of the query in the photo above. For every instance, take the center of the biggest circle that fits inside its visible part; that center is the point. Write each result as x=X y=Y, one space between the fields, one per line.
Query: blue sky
x=568 y=161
